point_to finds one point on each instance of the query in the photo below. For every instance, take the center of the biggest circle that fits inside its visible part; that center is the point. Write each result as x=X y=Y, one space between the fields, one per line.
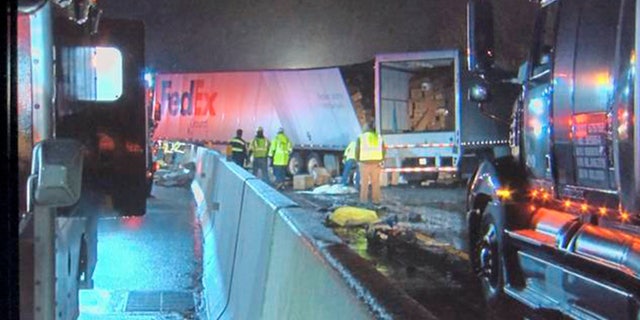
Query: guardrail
x=266 y=258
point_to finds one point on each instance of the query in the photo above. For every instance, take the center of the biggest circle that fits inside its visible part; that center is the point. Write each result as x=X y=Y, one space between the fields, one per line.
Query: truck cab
x=81 y=133
x=556 y=224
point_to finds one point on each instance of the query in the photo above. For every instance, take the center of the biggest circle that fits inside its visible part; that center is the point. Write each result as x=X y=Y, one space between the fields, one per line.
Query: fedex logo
x=195 y=102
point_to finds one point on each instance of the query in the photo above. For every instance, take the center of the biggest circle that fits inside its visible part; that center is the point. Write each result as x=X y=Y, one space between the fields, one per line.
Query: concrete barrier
x=301 y=284
x=265 y=258
x=227 y=199
x=254 y=249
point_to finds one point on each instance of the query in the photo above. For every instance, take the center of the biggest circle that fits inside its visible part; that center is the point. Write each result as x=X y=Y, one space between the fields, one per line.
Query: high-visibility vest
x=350 y=151
x=370 y=147
x=260 y=147
x=280 y=149
x=238 y=145
x=176 y=147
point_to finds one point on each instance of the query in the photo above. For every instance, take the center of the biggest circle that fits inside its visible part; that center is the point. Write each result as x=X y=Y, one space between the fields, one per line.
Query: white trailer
x=419 y=98
x=312 y=105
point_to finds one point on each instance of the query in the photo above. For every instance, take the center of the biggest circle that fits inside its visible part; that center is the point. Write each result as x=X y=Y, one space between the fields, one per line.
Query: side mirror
x=479 y=36
x=56 y=173
x=479 y=92
x=30 y=6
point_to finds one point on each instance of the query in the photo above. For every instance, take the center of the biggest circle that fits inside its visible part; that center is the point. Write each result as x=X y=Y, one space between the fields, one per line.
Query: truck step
x=530 y=297
x=532 y=237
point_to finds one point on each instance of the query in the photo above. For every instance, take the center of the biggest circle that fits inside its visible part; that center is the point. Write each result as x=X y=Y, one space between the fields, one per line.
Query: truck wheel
x=485 y=257
x=313 y=160
x=295 y=164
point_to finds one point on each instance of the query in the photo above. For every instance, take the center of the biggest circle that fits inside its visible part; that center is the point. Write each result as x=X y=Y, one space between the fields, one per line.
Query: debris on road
x=390 y=235
x=352 y=217
x=332 y=189
x=179 y=177
x=302 y=182
x=321 y=176
x=415 y=217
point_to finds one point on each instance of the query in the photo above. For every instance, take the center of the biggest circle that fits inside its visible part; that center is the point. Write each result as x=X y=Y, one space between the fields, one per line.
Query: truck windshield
x=417 y=96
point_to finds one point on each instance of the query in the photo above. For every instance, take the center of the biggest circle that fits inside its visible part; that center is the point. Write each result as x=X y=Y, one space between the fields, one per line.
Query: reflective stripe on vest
x=237 y=145
x=370 y=147
x=259 y=147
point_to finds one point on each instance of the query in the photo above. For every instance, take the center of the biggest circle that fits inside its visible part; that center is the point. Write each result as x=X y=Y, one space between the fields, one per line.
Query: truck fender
x=482 y=193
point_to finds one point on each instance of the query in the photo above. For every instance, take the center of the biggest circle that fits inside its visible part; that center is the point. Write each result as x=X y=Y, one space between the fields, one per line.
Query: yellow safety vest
x=260 y=147
x=176 y=147
x=237 y=145
x=350 y=151
x=280 y=149
x=370 y=147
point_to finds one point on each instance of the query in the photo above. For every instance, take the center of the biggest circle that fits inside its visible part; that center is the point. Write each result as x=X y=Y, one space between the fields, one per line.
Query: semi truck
x=81 y=144
x=555 y=224
x=311 y=105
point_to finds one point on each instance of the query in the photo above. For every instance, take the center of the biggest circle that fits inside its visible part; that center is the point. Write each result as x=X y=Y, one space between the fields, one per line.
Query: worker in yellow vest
x=178 y=152
x=279 y=151
x=350 y=163
x=259 y=148
x=370 y=152
x=238 y=148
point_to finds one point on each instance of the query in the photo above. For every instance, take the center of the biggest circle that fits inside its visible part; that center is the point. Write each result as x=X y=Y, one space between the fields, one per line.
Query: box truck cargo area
x=418 y=112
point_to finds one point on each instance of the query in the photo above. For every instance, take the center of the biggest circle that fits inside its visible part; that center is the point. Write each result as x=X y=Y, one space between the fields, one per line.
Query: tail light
x=155 y=166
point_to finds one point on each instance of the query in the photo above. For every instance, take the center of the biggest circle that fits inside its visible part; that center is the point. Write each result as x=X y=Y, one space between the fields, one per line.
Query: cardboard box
x=424 y=121
x=356 y=96
x=321 y=176
x=384 y=179
x=302 y=181
x=423 y=106
x=395 y=176
x=417 y=93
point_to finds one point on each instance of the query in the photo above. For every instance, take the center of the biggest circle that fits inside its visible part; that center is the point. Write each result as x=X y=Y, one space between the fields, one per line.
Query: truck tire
x=486 y=262
x=295 y=164
x=313 y=160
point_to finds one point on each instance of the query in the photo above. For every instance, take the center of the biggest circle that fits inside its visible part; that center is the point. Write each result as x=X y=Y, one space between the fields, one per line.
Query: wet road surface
x=434 y=269
x=149 y=267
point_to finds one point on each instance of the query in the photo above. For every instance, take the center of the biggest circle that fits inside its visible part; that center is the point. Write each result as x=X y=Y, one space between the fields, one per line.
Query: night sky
x=208 y=35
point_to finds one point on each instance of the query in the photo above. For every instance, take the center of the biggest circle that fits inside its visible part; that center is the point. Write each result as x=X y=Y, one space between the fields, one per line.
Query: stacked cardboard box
x=427 y=106
x=361 y=112
x=302 y=181
x=395 y=176
x=321 y=176
x=384 y=179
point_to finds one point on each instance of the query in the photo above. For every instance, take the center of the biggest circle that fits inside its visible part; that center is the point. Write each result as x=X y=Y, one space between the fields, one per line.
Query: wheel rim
x=488 y=256
x=294 y=166
x=312 y=163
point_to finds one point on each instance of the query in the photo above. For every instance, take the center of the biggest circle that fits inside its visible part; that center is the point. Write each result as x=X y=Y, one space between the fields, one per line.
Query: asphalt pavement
x=149 y=267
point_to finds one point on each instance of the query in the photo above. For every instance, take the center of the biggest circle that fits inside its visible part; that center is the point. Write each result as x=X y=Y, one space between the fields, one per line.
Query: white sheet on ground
x=332 y=189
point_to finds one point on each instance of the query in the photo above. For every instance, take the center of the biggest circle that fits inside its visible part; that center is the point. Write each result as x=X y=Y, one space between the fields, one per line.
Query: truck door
x=537 y=115
x=595 y=54
x=100 y=102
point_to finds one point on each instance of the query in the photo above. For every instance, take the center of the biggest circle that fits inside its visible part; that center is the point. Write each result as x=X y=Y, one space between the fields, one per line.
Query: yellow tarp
x=353 y=216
